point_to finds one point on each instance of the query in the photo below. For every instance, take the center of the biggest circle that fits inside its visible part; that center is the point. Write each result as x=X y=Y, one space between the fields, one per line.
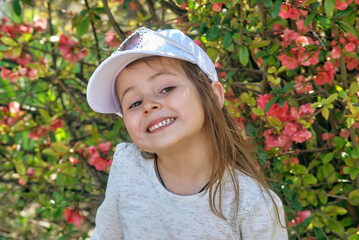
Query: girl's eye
x=167 y=89
x=135 y=104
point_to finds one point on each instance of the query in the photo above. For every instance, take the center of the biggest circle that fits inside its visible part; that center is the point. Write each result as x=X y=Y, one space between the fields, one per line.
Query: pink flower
x=110 y=38
x=40 y=25
x=217 y=7
x=70 y=51
x=38 y=133
x=302 y=85
x=58 y=123
x=222 y=74
x=198 y=42
x=22 y=182
x=6 y=73
x=25 y=29
x=73 y=216
x=351 y=63
x=104 y=147
x=73 y=160
x=326 y=136
x=288 y=61
x=281 y=141
x=184 y=5
x=303 y=214
x=301 y=136
x=305 y=110
x=293 y=160
x=32 y=73
x=344 y=133
x=287 y=11
x=300 y=26
x=321 y=78
x=100 y=163
x=341 y=5
x=289 y=129
x=14 y=107
x=30 y=172
x=335 y=53
x=350 y=47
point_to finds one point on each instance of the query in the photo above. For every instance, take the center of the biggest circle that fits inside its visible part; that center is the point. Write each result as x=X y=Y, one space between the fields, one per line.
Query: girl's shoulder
x=127 y=157
x=252 y=193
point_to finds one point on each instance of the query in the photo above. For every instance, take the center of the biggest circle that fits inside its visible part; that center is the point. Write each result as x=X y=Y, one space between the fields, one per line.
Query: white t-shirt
x=137 y=206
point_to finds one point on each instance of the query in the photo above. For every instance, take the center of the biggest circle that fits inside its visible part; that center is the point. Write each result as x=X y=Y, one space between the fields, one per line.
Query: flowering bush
x=290 y=69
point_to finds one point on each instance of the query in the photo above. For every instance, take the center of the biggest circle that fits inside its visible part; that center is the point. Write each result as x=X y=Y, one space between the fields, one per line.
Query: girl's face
x=162 y=109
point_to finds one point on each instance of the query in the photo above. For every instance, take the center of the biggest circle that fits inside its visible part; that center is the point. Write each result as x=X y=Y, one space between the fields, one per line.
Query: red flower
x=40 y=25
x=287 y=11
x=73 y=216
x=22 y=182
x=299 y=218
x=73 y=160
x=335 y=53
x=302 y=85
x=100 y=163
x=6 y=73
x=302 y=136
x=58 y=123
x=70 y=51
x=341 y=5
x=30 y=172
x=321 y=78
x=38 y=133
x=104 y=147
x=217 y=7
x=110 y=38
x=14 y=107
x=288 y=61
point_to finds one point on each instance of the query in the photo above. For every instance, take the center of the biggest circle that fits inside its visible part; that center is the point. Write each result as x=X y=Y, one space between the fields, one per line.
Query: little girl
x=188 y=173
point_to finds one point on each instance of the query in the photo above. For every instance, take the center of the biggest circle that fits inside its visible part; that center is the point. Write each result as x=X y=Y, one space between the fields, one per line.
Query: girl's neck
x=185 y=171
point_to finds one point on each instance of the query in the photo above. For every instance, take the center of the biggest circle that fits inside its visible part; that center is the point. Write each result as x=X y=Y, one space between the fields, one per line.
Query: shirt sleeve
x=108 y=223
x=262 y=222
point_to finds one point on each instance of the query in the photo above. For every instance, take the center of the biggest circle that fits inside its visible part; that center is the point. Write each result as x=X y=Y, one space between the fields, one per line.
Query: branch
x=113 y=21
x=94 y=32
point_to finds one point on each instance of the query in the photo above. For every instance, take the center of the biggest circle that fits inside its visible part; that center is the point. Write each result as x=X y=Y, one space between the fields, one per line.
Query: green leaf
x=329 y=6
x=339 y=143
x=45 y=114
x=331 y=98
x=243 y=55
x=59 y=147
x=309 y=179
x=268 y=3
x=355 y=153
x=17 y=7
x=270 y=103
x=309 y=19
x=325 y=113
x=83 y=26
x=353 y=174
x=227 y=40
x=307 y=2
x=258 y=44
x=288 y=87
x=343 y=13
x=276 y=9
x=327 y=157
x=354 y=197
x=8 y=41
x=213 y=33
x=347 y=27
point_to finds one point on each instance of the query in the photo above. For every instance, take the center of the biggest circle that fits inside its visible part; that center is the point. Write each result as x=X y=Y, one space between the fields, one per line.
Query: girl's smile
x=162 y=109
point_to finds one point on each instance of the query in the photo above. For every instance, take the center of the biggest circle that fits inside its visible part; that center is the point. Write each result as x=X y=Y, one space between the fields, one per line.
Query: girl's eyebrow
x=151 y=78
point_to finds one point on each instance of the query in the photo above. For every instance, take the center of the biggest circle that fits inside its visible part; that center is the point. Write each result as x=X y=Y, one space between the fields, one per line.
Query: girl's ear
x=218 y=91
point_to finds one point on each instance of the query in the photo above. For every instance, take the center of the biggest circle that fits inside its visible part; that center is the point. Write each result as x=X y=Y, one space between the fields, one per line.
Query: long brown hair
x=230 y=150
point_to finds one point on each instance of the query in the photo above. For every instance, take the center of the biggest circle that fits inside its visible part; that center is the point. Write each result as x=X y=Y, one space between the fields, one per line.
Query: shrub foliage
x=291 y=74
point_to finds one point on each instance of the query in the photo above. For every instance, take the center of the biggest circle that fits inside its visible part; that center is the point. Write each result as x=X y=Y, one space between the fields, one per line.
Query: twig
x=113 y=21
x=94 y=32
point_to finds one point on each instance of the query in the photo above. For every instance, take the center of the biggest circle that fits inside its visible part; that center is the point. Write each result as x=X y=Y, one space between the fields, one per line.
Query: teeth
x=161 y=124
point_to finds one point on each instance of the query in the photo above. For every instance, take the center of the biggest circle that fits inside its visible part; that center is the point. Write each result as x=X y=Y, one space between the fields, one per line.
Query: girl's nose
x=151 y=106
